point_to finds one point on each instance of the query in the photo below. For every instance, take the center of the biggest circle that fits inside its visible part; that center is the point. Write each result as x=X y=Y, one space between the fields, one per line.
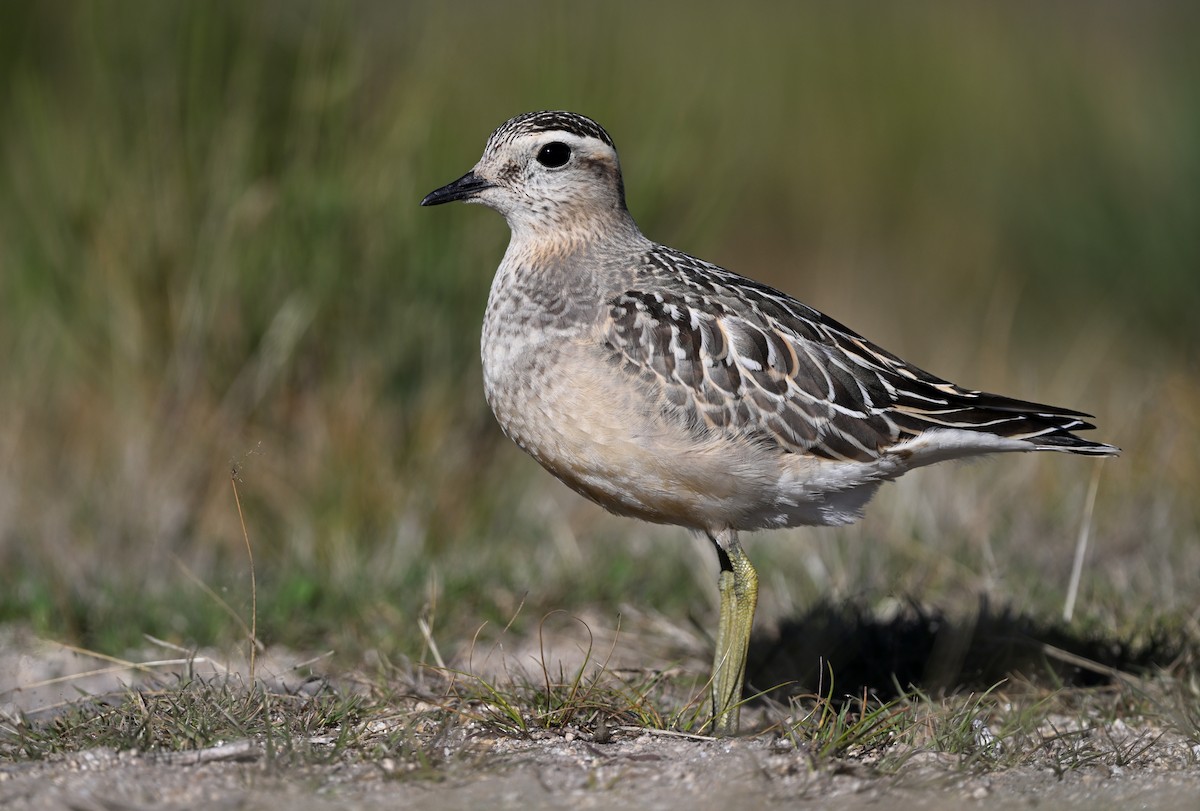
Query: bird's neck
x=563 y=230
x=548 y=277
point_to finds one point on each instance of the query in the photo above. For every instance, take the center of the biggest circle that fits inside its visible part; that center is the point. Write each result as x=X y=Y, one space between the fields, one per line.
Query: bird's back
x=727 y=352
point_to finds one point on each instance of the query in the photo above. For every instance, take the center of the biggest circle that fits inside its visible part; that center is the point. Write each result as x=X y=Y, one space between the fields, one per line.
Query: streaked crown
x=550 y=121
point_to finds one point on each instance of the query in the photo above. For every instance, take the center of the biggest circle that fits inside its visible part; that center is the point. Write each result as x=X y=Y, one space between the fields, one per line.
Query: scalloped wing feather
x=728 y=353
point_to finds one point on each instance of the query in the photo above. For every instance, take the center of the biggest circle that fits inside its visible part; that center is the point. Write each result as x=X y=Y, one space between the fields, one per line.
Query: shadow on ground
x=924 y=648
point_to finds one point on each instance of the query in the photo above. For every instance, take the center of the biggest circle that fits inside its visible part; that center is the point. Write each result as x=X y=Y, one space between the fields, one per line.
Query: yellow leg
x=738 y=584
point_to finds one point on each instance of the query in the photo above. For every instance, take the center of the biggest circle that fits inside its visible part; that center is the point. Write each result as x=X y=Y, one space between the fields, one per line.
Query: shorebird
x=669 y=389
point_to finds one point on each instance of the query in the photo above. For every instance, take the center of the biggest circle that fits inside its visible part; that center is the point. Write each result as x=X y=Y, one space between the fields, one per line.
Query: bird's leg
x=738 y=584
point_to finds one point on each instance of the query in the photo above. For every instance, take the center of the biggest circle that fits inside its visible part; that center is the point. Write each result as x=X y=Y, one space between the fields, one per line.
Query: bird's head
x=544 y=171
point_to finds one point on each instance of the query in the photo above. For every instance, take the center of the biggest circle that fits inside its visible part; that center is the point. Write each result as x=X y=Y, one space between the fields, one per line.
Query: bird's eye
x=554 y=154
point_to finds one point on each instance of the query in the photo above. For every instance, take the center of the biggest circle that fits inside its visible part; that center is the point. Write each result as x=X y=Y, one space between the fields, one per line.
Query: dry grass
x=430 y=722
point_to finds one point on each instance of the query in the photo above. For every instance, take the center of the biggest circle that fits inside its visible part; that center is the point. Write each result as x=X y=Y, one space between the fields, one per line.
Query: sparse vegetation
x=426 y=723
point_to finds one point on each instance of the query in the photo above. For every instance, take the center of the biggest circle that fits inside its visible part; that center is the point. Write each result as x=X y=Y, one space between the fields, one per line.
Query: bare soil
x=475 y=767
x=643 y=770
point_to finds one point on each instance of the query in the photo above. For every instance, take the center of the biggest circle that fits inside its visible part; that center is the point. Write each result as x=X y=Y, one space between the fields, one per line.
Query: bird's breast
x=602 y=435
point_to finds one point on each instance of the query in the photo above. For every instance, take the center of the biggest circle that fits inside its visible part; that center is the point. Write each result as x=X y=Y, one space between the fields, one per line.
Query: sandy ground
x=478 y=768
x=646 y=771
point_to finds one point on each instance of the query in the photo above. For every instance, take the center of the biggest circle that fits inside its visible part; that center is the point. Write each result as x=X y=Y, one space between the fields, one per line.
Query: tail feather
x=1069 y=443
x=1045 y=427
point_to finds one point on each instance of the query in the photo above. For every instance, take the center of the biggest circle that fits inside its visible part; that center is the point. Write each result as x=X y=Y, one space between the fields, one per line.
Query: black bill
x=464 y=188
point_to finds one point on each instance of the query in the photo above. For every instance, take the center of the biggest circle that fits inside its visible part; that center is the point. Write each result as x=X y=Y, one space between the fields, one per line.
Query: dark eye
x=554 y=154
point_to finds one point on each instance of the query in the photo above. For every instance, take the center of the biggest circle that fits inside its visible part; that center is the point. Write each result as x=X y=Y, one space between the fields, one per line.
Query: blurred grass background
x=211 y=257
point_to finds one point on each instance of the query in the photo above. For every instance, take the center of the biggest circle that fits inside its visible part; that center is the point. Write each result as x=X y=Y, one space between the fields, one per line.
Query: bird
x=672 y=390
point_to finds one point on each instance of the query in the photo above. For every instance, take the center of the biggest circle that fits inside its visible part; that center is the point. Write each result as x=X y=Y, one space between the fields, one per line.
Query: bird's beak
x=466 y=187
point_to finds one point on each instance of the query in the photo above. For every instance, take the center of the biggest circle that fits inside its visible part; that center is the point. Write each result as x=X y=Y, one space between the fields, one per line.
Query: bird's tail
x=1045 y=427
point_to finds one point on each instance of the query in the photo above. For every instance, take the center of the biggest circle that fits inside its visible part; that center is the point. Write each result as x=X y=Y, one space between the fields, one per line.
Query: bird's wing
x=724 y=352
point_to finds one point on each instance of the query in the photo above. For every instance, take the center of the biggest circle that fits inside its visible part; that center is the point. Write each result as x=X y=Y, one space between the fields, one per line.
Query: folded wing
x=726 y=353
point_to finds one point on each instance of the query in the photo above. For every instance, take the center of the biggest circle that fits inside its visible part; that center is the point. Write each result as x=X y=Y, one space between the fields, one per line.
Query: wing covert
x=728 y=353
x=718 y=369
